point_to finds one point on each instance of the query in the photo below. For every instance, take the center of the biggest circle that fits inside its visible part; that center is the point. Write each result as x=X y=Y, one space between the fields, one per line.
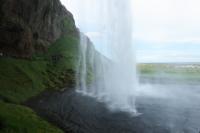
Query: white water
x=115 y=79
x=82 y=65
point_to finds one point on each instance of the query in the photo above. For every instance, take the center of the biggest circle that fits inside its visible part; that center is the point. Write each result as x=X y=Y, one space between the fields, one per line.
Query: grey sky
x=164 y=30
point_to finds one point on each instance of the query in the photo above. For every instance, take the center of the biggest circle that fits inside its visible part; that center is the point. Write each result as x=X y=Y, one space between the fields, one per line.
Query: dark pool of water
x=165 y=109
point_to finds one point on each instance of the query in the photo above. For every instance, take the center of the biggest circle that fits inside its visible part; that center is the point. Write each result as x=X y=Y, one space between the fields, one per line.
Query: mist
x=163 y=96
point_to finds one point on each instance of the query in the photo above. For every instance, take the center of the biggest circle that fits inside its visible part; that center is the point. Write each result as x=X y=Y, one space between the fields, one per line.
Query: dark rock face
x=15 y=39
x=28 y=26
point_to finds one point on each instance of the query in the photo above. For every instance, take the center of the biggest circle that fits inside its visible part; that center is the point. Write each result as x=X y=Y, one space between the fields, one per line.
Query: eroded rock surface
x=28 y=26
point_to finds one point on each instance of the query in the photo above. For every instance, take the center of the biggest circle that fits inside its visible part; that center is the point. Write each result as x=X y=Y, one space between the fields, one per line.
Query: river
x=172 y=108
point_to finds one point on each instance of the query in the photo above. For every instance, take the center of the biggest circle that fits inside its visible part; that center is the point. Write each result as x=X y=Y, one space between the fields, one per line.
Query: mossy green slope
x=62 y=70
x=38 y=52
x=20 y=119
x=67 y=46
x=21 y=79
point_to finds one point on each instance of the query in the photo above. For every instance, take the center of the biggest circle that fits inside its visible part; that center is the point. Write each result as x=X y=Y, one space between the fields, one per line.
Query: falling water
x=114 y=78
x=82 y=65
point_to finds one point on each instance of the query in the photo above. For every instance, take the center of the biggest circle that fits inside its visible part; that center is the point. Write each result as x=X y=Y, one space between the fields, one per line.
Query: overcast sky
x=164 y=30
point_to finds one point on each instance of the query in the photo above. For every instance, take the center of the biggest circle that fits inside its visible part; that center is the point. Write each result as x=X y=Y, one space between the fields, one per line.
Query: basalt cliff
x=39 y=51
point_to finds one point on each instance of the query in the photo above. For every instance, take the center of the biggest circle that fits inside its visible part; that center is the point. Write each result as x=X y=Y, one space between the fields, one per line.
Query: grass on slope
x=20 y=119
x=67 y=47
x=21 y=79
x=63 y=68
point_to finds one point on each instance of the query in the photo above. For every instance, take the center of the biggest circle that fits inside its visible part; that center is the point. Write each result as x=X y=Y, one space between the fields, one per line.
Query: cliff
x=39 y=51
x=29 y=26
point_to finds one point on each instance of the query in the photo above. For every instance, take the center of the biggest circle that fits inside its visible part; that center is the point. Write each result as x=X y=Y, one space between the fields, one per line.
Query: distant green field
x=189 y=72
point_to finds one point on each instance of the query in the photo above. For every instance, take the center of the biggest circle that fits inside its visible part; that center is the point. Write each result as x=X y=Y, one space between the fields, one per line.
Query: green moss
x=21 y=79
x=20 y=119
x=69 y=24
x=90 y=75
x=67 y=47
x=64 y=67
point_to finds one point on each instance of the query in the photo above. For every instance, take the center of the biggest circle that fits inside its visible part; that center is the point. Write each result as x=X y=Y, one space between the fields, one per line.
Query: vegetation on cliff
x=21 y=79
x=39 y=46
x=19 y=119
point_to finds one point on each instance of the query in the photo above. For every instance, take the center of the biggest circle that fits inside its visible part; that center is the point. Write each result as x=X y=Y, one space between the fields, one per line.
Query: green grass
x=67 y=46
x=20 y=119
x=65 y=67
x=167 y=68
x=69 y=24
x=21 y=79
x=170 y=70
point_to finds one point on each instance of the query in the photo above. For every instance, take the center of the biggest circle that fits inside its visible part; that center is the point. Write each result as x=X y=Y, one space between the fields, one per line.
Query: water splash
x=115 y=79
x=82 y=65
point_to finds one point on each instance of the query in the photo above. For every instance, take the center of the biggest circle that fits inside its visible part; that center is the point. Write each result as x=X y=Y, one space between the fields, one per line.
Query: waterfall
x=82 y=65
x=114 y=76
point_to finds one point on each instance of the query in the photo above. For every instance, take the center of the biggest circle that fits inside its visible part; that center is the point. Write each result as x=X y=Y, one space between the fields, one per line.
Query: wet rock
x=28 y=26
